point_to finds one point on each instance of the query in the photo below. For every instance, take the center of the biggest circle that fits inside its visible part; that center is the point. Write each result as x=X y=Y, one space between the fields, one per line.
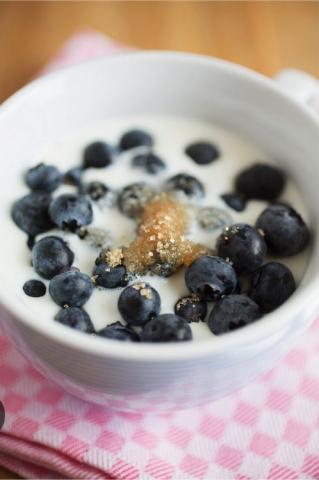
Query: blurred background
x=265 y=36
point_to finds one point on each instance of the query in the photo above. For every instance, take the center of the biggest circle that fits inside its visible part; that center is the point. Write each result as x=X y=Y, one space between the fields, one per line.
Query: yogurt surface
x=171 y=136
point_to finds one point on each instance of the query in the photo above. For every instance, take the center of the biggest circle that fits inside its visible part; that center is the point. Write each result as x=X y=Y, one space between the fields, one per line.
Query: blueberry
x=117 y=331
x=139 y=303
x=285 y=231
x=232 y=312
x=43 y=178
x=243 y=246
x=210 y=277
x=149 y=162
x=135 y=138
x=162 y=269
x=76 y=318
x=187 y=184
x=212 y=218
x=272 y=285
x=31 y=215
x=34 y=288
x=71 y=288
x=50 y=256
x=236 y=201
x=202 y=153
x=167 y=328
x=97 y=155
x=261 y=182
x=74 y=176
x=191 y=308
x=98 y=191
x=110 y=277
x=70 y=211
x=133 y=198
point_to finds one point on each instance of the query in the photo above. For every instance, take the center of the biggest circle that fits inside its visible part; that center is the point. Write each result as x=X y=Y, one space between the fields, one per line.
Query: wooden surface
x=265 y=36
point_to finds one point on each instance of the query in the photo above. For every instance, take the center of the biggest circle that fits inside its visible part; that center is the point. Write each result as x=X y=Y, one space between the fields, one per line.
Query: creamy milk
x=172 y=135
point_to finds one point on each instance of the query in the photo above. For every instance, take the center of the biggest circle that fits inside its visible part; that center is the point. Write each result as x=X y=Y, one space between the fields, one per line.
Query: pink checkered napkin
x=269 y=430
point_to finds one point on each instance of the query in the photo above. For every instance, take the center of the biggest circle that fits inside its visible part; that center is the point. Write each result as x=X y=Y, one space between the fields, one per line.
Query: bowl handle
x=300 y=85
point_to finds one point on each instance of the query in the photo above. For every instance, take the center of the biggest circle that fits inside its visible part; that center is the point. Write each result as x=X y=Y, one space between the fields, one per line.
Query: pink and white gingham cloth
x=269 y=430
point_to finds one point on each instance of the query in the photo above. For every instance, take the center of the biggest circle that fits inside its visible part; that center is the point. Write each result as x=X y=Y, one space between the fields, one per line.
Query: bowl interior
x=64 y=103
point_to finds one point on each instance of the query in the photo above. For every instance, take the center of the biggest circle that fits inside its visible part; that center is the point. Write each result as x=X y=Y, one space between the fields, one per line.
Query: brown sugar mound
x=161 y=237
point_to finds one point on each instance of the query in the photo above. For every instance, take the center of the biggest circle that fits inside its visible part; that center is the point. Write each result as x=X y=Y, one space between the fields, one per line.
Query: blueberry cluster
x=236 y=279
x=38 y=212
x=241 y=251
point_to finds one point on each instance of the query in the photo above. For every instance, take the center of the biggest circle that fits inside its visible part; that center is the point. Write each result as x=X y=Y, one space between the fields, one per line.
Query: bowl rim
x=166 y=352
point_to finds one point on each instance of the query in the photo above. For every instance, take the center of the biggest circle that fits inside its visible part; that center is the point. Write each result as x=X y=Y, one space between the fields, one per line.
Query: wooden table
x=266 y=36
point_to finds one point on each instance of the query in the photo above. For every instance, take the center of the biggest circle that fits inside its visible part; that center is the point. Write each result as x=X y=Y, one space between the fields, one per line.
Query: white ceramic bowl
x=161 y=376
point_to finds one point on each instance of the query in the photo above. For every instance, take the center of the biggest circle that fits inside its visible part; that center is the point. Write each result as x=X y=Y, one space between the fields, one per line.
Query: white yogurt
x=172 y=135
